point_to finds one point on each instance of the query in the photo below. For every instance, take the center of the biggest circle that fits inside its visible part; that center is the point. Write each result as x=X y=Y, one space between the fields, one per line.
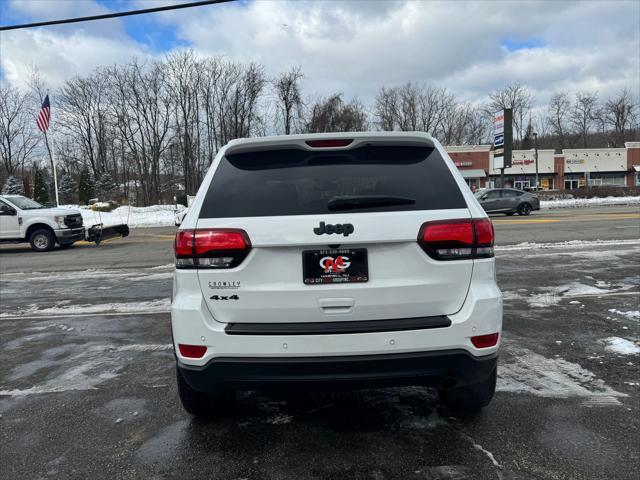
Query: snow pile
x=621 y=346
x=589 y=202
x=136 y=217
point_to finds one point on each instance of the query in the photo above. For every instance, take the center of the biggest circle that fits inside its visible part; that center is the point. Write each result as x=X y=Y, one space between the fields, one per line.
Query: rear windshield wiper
x=349 y=202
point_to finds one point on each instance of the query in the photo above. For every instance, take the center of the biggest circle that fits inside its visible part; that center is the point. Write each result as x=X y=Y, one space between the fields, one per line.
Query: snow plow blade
x=98 y=233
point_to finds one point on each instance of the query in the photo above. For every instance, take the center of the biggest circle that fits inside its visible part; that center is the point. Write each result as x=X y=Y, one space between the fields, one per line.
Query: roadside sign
x=502 y=139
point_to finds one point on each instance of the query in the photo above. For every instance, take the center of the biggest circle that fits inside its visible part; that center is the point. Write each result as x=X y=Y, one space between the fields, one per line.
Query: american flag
x=44 y=116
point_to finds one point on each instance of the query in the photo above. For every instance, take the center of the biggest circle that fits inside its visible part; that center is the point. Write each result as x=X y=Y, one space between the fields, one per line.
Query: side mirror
x=7 y=210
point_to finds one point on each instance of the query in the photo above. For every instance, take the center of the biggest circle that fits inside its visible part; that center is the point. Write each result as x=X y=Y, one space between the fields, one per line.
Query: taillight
x=211 y=248
x=192 y=351
x=485 y=341
x=337 y=142
x=457 y=239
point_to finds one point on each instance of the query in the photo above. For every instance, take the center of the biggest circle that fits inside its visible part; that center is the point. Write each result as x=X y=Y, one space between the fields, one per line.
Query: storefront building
x=568 y=169
x=522 y=173
x=473 y=163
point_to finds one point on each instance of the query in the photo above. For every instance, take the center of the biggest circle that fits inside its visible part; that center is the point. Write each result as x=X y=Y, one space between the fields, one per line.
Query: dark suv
x=508 y=201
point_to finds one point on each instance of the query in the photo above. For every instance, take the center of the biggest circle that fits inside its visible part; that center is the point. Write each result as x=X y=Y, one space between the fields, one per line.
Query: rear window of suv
x=301 y=182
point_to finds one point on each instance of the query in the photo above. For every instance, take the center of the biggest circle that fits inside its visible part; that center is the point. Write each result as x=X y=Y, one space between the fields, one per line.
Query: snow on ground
x=136 y=217
x=160 y=305
x=621 y=346
x=571 y=244
x=525 y=371
x=589 y=202
x=550 y=296
x=632 y=314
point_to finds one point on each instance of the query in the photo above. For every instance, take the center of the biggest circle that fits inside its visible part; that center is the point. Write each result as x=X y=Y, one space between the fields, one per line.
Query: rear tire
x=524 y=209
x=470 y=398
x=42 y=240
x=197 y=403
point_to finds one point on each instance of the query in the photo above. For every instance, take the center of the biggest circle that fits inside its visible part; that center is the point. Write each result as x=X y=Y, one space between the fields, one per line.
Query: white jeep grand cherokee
x=353 y=260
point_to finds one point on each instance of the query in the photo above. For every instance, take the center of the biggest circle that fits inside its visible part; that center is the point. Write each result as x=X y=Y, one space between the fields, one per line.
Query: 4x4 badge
x=344 y=228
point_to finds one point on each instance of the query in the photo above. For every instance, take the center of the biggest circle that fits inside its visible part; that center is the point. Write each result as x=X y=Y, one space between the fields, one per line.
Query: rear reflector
x=485 y=341
x=457 y=239
x=192 y=351
x=211 y=248
x=329 y=143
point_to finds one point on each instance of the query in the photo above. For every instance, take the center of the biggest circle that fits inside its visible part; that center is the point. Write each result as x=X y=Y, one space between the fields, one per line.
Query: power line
x=113 y=15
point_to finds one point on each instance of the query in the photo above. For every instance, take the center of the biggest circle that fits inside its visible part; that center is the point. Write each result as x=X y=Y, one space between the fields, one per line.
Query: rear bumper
x=66 y=236
x=446 y=368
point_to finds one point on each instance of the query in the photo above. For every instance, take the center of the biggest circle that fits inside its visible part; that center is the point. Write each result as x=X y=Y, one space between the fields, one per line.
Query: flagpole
x=55 y=176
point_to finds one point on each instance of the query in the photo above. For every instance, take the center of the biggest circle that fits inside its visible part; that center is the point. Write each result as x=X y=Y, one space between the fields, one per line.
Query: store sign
x=463 y=164
x=526 y=161
x=575 y=161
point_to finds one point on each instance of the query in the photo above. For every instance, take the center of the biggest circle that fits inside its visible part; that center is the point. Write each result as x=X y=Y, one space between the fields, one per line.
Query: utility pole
x=535 y=143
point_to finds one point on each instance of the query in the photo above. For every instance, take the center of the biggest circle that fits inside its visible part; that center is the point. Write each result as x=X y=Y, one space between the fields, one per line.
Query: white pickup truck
x=24 y=220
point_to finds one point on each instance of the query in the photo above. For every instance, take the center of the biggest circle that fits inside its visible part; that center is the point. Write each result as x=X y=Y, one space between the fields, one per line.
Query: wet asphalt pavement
x=87 y=388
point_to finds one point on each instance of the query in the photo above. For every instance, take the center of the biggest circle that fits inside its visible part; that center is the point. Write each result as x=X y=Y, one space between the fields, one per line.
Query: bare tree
x=18 y=138
x=140 y=103
x=333 y=115
x=289 y=98
x=517 y=97
x=84 y=117
x=620 y=113
x=582 y=113
x=558 y=117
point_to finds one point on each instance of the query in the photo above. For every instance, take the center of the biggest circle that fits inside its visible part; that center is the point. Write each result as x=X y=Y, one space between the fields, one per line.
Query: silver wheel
x=42 y=240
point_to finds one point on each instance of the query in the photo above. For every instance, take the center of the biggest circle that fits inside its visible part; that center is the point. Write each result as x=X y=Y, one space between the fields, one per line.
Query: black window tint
x=299 y=182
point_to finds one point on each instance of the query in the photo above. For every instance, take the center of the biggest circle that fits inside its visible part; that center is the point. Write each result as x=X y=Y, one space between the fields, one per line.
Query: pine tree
x=12 y=187
x=67 y=188
x=40 y=190
x=105 y=186
x=85 y=186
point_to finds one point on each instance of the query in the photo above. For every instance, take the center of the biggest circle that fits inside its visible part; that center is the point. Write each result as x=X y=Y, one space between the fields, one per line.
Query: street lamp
x=535 y=143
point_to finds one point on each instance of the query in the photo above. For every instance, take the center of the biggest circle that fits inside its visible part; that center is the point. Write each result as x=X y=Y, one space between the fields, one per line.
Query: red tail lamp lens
x=329 y=143
x=215 y=240
x=183 y=246
x=192 y=351
x=457 y=232
x=484 y=231
x=485 y=341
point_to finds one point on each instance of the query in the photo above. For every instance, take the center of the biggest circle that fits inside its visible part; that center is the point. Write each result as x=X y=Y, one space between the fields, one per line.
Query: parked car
x=508 y=201
x=25 y=220
x=335 y=260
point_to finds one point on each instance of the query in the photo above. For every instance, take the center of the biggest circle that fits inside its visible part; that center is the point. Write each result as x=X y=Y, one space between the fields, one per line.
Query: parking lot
x=87 y=387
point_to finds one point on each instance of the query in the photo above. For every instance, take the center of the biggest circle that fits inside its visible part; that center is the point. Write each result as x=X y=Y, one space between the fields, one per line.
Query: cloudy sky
x=354 y=46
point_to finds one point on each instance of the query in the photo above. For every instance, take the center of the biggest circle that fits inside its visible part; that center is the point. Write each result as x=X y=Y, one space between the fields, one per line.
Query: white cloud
x=356 y=47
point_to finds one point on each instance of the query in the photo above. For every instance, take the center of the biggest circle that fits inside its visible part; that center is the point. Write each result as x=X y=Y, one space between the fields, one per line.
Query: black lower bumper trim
x=328 y=328
x=69 y=235
x=320 y=373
